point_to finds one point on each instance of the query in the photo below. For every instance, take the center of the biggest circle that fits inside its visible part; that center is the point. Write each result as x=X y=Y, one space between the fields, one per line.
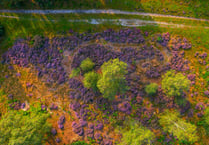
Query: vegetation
x=151 y=89
x=87 y=65
x=137 y=134
x=18 y=128
x=174 y=84
x=205 y=121
x=75 y=72
x=79 y=143
x=184 y=131
x=194 y=8
x=30 y=25
x=90 y=80
x=112 y=80
x=13 y=3
x=1 y=30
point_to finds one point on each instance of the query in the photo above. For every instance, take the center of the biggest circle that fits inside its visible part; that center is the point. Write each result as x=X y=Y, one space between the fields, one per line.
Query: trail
x=95 y=11
x=122 y=22
x=134 y=23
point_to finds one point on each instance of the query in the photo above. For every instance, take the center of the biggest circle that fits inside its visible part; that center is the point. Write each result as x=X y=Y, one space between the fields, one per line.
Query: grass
x=194 y=8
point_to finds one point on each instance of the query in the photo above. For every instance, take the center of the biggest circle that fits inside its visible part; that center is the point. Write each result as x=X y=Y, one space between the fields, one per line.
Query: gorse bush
x=151 y=89
x=18 y=128
x=87 y=65
x=173 y=124
x=112 y=80
x=75 y=72
x=137 y=135
x=174 y=84
x=90 y=80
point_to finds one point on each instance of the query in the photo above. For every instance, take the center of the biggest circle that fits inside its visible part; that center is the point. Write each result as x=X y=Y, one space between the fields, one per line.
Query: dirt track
x=94 y=11
x=123 y=22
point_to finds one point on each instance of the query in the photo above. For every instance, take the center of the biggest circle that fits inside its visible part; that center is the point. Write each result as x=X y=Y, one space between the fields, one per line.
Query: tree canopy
x=137 y=135
x=173 y=124
x=112 y=80
x=18 y=128
x=174 y=84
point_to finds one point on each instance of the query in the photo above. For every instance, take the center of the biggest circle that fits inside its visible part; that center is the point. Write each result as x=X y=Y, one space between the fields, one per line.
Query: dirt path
x=122 y=22
x=94 y=11
x=134 y=23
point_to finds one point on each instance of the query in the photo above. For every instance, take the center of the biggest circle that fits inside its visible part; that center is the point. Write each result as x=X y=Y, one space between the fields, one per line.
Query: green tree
x=151 y=89
x=137 y=135
x=173 y=124
x=112 y=80
x=174 y=84
x=87 y=65
x=18 y=128
x=90 y=80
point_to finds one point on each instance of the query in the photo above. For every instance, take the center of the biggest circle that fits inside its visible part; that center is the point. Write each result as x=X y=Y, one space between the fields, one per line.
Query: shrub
x=205 y=121
x=137 y=135
x=172 y=123
x=90 y=80
x=112 y=80
x=1 y=30
x=87 y=65
x=38 y=41
x=79 y=143
x=174 y=84
x=13 y=3
x=20 y=128
x=151 y=89
x=45 y=3
x=75 y=72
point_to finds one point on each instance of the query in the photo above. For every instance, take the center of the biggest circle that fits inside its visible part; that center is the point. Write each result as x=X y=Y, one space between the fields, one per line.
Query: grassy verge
x=194 y=8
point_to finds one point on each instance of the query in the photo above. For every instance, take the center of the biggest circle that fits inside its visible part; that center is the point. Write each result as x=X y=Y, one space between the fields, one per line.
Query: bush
x=151 y=89
x=75 y=72
x=45 y=3
x=22 y=128
x=174 y=84
x=112 y=80
x=90 y=80
x=13 y=3
x=172 y=123
x=79 y=143
x=1 y=30
x=206 y=121
x=87 y=65
x=137 y=135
